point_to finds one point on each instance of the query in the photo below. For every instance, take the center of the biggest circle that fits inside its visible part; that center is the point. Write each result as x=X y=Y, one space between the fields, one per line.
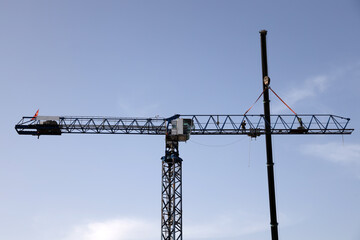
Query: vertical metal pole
x=270 y=162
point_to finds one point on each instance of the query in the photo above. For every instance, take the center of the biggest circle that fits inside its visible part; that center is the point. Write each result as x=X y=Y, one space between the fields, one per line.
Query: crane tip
x=263 y=31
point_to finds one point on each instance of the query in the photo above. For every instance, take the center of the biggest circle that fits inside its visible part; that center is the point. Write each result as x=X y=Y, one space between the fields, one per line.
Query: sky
x=159 y=58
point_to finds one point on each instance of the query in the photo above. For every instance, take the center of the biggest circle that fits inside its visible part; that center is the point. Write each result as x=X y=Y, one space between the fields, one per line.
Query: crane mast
x=179 y=128
x=171 y=192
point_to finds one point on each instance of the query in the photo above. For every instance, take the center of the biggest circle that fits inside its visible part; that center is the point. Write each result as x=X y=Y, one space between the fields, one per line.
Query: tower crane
x=179 y=128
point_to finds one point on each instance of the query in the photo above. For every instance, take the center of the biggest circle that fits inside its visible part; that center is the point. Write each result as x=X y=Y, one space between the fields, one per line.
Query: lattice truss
x=252 y=125
x=171 y=204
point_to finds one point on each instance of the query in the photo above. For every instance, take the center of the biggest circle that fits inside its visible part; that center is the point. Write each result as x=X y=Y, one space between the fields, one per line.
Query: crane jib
x=251 y=125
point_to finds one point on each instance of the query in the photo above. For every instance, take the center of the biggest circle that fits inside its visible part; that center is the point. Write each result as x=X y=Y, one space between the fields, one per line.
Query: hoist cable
x=268 y=87
x=282 y=101
x=255 y=102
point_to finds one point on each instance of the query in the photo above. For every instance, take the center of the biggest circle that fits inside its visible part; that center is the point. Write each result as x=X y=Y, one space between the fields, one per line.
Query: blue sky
x=148 y=58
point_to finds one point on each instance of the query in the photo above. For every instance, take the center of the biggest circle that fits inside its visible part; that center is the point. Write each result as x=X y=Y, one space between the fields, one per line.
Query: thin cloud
x=226 y=226
x=348 y=154
x=115 y=229
x=311 y=88
x=317 y=85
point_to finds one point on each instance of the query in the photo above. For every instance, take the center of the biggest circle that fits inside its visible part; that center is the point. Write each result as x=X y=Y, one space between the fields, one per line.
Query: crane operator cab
x=181 y=129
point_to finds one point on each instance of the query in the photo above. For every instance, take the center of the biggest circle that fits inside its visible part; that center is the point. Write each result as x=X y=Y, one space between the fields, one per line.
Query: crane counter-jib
x=252 y=125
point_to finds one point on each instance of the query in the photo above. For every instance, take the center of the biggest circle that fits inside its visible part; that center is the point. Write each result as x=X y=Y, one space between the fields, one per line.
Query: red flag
x=36 y=114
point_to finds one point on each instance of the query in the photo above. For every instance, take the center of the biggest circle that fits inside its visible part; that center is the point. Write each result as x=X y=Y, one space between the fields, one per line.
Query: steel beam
x=213 y=124
x=269 y=155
